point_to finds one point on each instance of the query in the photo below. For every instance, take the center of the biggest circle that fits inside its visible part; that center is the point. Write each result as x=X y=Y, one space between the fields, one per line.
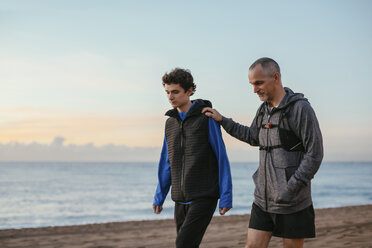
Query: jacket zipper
x=267 y=151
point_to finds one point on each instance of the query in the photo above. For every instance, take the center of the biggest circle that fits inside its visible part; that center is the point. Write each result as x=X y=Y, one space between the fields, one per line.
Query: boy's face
x=177 y=96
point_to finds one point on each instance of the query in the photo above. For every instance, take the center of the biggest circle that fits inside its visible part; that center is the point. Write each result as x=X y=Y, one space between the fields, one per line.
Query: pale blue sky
x=90 y=71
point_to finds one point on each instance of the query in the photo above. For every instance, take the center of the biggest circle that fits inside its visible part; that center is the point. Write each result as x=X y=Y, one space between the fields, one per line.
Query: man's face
x=263 y=84
x=176 y=95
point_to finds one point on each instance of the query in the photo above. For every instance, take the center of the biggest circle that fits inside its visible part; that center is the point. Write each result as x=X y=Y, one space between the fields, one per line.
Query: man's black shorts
x=297 y=225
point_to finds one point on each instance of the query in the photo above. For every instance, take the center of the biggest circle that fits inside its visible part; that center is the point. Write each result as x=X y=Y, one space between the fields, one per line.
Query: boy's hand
x=157 y=209
x=212 y=113
x=224 y=210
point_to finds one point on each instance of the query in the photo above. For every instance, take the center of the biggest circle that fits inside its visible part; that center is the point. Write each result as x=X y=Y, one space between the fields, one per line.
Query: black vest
x=194 y=167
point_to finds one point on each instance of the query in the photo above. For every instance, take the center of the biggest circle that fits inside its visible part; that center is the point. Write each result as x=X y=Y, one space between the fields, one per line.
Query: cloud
x=58 y=142
x=57 y=151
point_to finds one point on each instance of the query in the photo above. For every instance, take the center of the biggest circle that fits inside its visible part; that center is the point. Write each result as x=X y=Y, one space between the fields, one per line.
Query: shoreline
x=144 y=220
x=349 y=226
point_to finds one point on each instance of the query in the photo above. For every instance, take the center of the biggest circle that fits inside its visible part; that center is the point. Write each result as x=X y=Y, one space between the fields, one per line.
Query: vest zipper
x=183 y=161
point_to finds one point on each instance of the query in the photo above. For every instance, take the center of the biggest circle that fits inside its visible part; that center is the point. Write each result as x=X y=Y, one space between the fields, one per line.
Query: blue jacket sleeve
x=218 y=146
x=164 y=176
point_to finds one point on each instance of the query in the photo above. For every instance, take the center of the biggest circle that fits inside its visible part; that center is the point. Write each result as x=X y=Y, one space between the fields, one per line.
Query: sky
x=81 y=80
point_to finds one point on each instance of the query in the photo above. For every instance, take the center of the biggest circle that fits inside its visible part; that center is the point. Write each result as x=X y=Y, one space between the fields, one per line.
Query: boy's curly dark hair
x=182 y=77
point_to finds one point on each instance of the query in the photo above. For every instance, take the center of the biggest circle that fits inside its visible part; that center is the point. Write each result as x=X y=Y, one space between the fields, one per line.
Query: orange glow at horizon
x=42 y=126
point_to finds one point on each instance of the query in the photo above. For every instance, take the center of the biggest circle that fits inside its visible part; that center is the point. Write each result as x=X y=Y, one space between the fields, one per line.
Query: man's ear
x=276 y=76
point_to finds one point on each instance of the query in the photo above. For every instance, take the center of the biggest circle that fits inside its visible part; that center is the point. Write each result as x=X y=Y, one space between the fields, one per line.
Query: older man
x=291 y=150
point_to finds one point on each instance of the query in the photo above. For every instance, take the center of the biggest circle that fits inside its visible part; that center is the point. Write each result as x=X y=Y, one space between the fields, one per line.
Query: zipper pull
x=268 y=125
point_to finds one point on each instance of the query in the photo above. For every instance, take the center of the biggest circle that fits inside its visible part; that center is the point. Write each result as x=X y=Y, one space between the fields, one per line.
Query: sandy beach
x=336 y=227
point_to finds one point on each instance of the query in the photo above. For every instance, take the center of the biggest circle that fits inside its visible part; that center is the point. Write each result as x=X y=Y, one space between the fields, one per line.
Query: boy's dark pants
x=192 y=221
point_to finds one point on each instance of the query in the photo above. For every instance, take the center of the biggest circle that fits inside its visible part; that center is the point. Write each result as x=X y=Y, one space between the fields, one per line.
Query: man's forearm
x=241 y=132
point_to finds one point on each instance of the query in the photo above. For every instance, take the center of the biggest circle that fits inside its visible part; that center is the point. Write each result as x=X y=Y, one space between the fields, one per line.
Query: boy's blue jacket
x=224 y=177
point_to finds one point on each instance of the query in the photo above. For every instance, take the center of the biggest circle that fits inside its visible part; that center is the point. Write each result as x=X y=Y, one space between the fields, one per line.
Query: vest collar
x=195 y=110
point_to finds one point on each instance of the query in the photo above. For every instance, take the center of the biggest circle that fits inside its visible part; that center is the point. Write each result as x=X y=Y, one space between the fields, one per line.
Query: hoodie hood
x=202 y=103
x=290 y=97
x=198 y=105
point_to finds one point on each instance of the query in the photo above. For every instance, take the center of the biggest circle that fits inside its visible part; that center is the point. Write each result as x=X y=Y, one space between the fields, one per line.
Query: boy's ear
x=189 y=91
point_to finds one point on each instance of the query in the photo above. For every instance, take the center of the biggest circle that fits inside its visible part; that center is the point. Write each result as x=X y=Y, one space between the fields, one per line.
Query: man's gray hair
x=269 y=65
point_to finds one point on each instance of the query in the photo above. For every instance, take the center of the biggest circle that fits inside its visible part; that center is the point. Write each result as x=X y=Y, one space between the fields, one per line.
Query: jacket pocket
x=282 y=194
x=289 y=171
x=285 y=196
x=258 y=189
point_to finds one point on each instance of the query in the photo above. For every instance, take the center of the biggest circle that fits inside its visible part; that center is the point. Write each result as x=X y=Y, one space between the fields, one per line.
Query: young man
x=193 y=161
x=291 y=150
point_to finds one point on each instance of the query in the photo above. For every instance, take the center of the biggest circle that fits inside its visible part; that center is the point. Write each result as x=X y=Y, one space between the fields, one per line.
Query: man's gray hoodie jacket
x=283 y=177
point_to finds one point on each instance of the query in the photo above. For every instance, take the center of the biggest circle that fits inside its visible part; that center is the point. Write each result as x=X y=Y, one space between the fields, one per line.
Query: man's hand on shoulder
x=157 y=209
x=209 y=112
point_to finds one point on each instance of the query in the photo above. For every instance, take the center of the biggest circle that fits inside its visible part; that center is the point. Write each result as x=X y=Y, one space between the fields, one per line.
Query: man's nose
x=255 y=89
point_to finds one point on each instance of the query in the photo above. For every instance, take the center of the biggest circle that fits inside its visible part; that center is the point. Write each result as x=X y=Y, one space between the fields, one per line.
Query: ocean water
x=54 y=194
